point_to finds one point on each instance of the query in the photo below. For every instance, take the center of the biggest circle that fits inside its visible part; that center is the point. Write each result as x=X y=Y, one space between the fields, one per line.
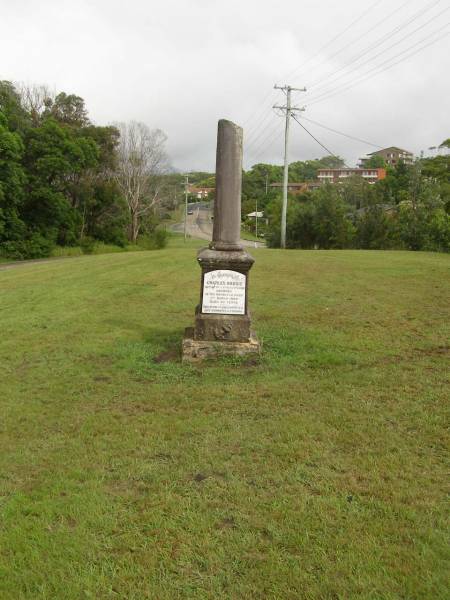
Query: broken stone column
x=222 y=318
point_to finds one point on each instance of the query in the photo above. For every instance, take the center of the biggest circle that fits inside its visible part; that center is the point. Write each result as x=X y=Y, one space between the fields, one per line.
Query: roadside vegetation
x=67 y=183
x=408 y=210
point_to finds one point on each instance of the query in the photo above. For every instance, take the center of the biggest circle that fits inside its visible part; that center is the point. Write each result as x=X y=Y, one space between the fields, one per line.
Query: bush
x=36 y=246
x=320 y=221
x=65 y=251
x=87 y=245
x=153 y=241
x=102 y=248
x=374 y=229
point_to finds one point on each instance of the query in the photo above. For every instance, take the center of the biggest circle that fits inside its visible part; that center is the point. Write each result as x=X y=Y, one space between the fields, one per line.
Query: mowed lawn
x=319 y=473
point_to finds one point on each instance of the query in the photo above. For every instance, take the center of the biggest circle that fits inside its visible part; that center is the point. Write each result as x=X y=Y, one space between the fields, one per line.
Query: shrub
x=87 y=245
x=153 y=241
x=36 y=246
x=374 y=229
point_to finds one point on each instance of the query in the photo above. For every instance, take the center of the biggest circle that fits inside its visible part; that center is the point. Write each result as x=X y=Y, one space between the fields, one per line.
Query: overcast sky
x=180 y=65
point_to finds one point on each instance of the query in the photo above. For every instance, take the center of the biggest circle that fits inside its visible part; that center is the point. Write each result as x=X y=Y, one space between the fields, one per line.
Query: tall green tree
x=54 y=159
x=11 y=107
x=333 y=228
x=12 y=183
x=68 y=109
x=375 y=162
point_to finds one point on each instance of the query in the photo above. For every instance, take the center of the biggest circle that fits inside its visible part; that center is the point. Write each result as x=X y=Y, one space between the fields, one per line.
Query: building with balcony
x=340 y=175
x=391 y=156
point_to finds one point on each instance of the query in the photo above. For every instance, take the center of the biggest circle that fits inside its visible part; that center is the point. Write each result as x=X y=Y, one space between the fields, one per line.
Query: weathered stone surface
x=227 y=205
x=217 y=327
x=210 y=258
x=194 y=351
x=222 y=318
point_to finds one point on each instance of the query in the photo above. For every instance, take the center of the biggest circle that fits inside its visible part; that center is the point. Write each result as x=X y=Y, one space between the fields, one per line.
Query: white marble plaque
x=224 y=292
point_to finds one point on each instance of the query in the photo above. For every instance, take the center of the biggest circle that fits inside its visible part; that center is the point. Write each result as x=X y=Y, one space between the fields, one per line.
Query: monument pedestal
x=222 y=319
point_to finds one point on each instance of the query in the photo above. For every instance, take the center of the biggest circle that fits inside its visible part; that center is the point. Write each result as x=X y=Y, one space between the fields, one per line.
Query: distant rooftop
x=392 y=148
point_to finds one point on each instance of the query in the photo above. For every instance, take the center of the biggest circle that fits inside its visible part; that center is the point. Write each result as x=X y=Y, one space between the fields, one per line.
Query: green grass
x=319 y=473
x=99 y=248
x=248 y=235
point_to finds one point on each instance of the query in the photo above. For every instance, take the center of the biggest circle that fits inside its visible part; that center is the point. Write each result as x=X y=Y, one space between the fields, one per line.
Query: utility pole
x=186 y=187
x=256 y=222
x=289 y=109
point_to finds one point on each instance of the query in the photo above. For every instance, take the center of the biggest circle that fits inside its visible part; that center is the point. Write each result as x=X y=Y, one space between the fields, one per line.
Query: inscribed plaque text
x=224 y=292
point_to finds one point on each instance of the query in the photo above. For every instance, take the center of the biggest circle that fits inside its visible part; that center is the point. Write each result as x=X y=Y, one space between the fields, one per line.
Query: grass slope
x=319 y=473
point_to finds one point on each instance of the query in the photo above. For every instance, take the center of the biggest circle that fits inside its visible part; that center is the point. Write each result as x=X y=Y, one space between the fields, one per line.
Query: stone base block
x=222 y=328
x=194 y=351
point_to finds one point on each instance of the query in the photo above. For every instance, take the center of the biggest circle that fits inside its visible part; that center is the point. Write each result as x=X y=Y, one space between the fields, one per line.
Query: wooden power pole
x=289 y=109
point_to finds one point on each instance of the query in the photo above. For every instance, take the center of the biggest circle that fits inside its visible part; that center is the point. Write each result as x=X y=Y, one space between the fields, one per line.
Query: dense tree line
x=257 y=181
x=408 y=209
x=65 y=181
x=62 y=178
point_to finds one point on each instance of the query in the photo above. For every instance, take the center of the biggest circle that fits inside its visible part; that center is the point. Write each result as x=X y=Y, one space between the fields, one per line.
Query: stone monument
x=222 y=319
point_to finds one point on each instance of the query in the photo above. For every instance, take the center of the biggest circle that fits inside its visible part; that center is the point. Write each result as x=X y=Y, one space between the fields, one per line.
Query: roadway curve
x=200 y=225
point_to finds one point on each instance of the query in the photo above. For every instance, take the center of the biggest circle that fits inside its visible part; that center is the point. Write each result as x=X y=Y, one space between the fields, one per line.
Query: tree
x=68 y=109
x=355 y=191
x=332 y=227
x=422 y=223
x=142 y=159
x=307 y=170
x=375 y=162
x=36 y=100
x=396 y=186
x=373 y=228
x=319 y=219
x=438 y=169
x=331 y=162
x=301 y=232
x=54 y=159
x=12 y=181
x=11 y=107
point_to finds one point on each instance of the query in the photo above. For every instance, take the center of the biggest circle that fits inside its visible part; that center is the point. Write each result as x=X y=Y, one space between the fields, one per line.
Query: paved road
x=200 y=225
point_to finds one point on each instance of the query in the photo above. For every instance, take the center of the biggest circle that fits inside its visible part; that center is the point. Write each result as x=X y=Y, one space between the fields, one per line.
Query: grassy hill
x=318 y=473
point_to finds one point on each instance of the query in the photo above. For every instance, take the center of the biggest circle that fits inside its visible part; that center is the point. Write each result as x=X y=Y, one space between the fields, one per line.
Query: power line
x=361 y=16
x=326 y=94
x=334 y=79
x=351 y=137
x=261 y=151
x=255 y=131
x=261 y=133
x=321 y=49
x=380 y=40
x=318 y=141
x=377 y=69
x=267 y=142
